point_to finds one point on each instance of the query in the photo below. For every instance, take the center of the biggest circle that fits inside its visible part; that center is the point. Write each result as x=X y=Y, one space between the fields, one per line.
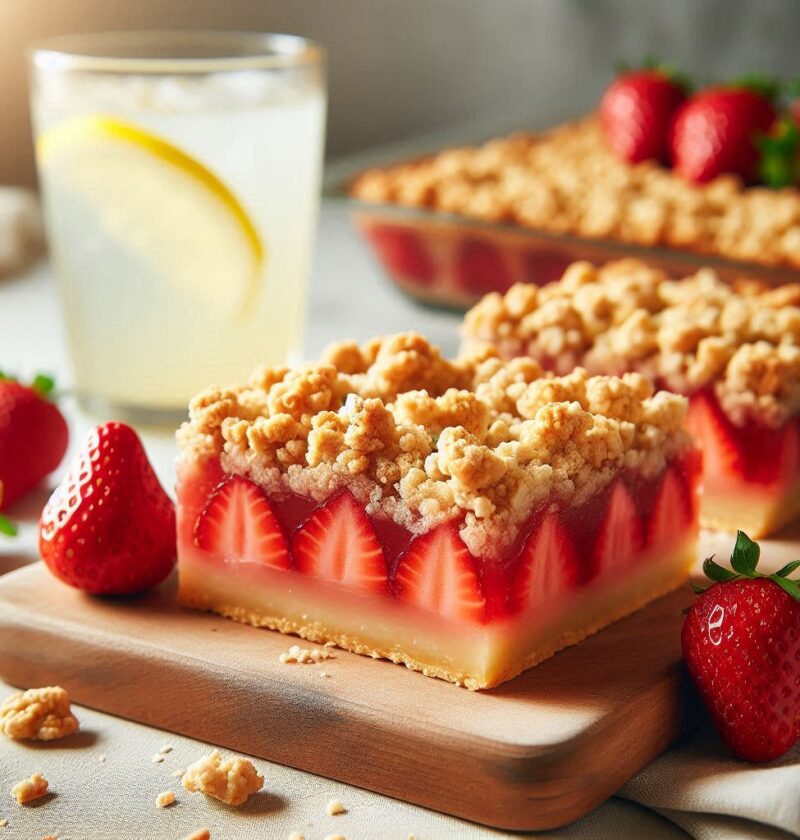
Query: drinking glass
x=181 y=178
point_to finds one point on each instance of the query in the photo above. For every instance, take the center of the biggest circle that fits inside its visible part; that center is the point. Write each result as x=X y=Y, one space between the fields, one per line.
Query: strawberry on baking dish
x=636 y=111
x=548 y=566
x=237 y=523
x=33 y=436
x=438 y=574
x=338 y=543
x=717 y=130
x=109 y=527
x=741 y=643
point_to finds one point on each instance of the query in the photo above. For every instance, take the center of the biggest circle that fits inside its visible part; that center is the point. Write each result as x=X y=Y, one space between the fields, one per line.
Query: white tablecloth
x=695 y=790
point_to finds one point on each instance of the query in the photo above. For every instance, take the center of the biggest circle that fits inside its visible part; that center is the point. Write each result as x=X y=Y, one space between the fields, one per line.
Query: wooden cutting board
x=535 y=753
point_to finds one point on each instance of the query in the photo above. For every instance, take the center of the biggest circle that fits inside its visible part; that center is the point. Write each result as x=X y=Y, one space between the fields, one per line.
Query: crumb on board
x=335 y=837
x=230 y=780
x=296 y=835
x=200 y=834
x=304 y=656
x=39 y=714
x=158 y=758
x=335 y=806
x=102 y=759
x=30 y=789
x=324 y=674
x=167 y=748
x=165 y=799
x=3 y=823
x=178 y=773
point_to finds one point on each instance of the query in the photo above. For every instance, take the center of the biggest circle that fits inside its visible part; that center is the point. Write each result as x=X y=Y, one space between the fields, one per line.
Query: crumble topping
x=165 y=799
x=686 y=334
x=566 y=180
x=335 y=807
x=304 y=656
x=29 y=789
x=231 y=780
x=485 y=439
x=41 y=714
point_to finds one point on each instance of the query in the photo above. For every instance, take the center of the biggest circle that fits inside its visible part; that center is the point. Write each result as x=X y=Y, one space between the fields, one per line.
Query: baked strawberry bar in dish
x=465 y=518
x=733 y=350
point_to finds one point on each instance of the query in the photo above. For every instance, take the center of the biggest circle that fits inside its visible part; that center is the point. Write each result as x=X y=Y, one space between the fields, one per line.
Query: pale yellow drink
x=180 y=211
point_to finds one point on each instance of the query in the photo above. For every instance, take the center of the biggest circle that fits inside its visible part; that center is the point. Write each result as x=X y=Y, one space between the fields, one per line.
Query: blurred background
x=402 y=68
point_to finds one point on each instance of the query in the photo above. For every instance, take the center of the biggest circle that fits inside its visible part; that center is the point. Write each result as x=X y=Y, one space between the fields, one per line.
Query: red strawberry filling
x=337 y=542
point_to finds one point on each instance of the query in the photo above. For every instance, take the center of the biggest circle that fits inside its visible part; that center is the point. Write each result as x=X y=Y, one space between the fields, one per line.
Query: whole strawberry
x=718 y=129
x=741 y=643
x=33 y=436
x=636 y=112
x=109 y=527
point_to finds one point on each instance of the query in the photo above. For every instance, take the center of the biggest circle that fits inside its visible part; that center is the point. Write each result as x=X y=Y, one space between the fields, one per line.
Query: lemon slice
x=160 y=206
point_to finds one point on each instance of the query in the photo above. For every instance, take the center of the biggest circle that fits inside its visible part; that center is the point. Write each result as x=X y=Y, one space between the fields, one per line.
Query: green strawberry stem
x=744 y=561
x=43 y=384
x=766 y=86
x=780 y=154
x=7 y=527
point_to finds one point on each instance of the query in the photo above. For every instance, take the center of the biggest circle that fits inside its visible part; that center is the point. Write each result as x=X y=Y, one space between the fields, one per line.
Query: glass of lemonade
x=181 y=180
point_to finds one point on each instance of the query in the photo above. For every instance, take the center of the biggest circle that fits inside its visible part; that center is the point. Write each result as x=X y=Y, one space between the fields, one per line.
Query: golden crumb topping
x=231 y=780
x=40 y=714
x=30 y=789
x=567 y=181
x=420 y=439
x=304 y=656
x=165 y=799
x=686 y=334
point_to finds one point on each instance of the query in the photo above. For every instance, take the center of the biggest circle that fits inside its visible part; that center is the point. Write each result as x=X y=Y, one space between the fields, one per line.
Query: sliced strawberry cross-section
x=548 y=565
x=621 y=534
x=338 y=543
x=672 y=511
x=438 y=574
x=237 y=523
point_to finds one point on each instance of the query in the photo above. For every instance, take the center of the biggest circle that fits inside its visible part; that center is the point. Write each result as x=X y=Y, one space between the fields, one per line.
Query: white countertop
x=349 y=298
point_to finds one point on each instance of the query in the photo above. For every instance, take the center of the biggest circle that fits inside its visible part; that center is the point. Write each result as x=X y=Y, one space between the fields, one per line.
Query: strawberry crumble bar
x=735 y=352
x=465 y=518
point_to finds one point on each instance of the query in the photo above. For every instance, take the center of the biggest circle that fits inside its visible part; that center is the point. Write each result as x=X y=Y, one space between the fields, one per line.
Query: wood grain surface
x=534 y=753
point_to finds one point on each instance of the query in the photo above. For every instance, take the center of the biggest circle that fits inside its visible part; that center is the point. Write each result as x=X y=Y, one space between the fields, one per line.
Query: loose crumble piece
x=157 y=758
x=296 y=835
x=41 y=714
x=334 y=807
x=165 y=799
x=335 y=837
x=200 y=834
x=304 y=656
x=30 y=789
x=3 y=823
x=231 y=780
x=167 y=748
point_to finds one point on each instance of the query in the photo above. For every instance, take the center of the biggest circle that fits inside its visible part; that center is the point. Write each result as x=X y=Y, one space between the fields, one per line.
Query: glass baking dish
x=452 y=261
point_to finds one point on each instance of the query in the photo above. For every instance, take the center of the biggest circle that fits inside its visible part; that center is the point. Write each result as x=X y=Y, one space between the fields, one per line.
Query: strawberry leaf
x=788 y=569
x=789 y=586
x=765 y=86
x=779 y=165
x=7 y=527
x=43 y=384
x=717 y=573
x=744 y=558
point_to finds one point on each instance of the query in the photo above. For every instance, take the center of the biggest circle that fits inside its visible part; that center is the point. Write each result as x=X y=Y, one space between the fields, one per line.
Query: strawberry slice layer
x=620 y=536
x=548 y=566
x=238 y=524
x=438 y=575
x=338 y=543
x=672 y=511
